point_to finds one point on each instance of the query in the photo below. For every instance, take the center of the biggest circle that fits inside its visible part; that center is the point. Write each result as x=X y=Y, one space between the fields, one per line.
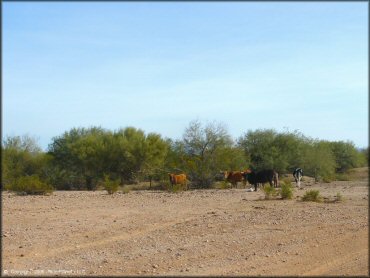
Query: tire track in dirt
x=331 y=267
x=122 y=237
x=331 y=260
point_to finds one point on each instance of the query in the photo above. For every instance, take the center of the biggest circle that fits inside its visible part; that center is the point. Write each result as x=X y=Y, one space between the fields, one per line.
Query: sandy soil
x=198 y=232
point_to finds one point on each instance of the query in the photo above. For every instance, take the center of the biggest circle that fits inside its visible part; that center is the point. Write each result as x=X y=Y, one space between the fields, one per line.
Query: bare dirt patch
x=198 y=232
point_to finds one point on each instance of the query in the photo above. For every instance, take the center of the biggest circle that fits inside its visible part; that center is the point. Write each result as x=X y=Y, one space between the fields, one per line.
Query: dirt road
x=198 y=232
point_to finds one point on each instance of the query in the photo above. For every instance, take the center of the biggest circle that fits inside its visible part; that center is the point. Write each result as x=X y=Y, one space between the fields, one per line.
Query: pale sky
x=159 y=65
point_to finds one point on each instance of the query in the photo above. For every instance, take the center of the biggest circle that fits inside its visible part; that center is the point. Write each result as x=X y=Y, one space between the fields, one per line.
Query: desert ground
x=195 y=232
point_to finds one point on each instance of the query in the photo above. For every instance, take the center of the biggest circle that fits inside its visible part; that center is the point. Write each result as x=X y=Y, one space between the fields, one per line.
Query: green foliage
x=339 y=197
x=205 y=150
x=312 y=196
x=110 y=185
x=346 y=156
x=30 y=185
x=363 y=159
x=286 y=191
x=126 y=189
x=342 y=177
x=267 y=148
x=80 y=153
x=21 y=156
x=319 y=160
x=269 y=191
x=328 y=179
x=223 y=185
x=174 y=188
x=81 y=156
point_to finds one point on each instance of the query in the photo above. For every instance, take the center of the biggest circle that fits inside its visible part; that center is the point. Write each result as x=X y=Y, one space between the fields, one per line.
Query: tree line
x=81 y=158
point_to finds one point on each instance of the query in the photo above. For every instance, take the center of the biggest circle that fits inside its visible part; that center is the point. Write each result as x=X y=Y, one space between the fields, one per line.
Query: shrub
x=339 y=197
x=285 y=180
x=269 y=191
x=110 y=185
x=286 y=191
x=225 y=185
x=30 y=185
x=175 y=188
x=312 y=195
x=342 y=177
x=126 y=189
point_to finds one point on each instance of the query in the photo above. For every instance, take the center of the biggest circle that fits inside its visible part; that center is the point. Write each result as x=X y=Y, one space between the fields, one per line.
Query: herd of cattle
x=253 y=178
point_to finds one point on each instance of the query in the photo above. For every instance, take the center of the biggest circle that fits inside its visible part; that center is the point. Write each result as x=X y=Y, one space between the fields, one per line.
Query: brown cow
x=234 y=177
x=178 y=179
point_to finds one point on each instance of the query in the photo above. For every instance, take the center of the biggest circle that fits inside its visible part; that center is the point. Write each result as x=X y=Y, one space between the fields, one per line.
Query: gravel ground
x=197 y=232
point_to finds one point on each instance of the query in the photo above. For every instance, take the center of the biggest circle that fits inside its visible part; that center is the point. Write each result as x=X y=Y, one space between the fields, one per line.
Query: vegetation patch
x=342 y=177
x=30 y=185
x=339 y=197
x=312 y=196
x=270 y=192
x=110 y=185
x=176 y=188
x=222 y=185
x=286 y=191
x=126 y=189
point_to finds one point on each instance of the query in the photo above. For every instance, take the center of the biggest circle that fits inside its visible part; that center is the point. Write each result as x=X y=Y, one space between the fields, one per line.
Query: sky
x=158 y=66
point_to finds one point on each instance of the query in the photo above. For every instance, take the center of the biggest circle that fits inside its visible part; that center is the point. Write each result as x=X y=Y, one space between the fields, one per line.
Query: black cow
x=263 y=176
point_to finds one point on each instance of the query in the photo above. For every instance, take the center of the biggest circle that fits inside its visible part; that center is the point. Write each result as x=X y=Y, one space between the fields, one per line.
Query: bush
x=176 y=188
x=126 y=189
x=286 y=191
x=269 y=191
x=312 y=195
x=342 y=177
x=286 y=180
x=339 y=197
x=327 y=179
x=110 y=185
x=225 y=185
x=30 y=185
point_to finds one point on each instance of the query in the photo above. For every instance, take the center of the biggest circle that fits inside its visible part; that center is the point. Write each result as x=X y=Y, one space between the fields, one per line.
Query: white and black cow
x=297 y=174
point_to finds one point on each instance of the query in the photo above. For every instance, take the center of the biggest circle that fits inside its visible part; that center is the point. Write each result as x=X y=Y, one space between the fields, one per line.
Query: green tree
x=319 y=161
x=156 y=150
x=21 y=156
x=267 y=148
x=204 y=151
x=346 y=156
x=79 y=152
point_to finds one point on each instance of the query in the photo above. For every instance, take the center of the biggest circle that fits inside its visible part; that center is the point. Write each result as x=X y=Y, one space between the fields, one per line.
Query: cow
x=234 y=177
x=178 y=179
x=297 y=174
x=263 y=176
